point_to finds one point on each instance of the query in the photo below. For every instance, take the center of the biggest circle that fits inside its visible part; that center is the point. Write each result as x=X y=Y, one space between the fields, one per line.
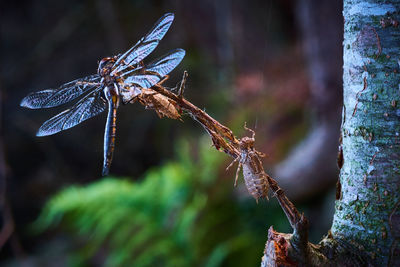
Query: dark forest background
x=273 y=64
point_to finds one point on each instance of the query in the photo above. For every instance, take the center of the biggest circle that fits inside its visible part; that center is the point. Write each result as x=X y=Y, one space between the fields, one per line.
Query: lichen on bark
x=367 y=213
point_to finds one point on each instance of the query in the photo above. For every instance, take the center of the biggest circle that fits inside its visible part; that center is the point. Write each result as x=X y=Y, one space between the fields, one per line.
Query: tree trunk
x=366 y=225
x=367 y=211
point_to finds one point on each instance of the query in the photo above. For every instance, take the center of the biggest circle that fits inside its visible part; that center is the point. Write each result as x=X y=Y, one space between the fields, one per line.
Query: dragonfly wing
x=156 y=70
x=166 y=63
x=65 y=93
x=87 y=107
x=143 y=80
x=146 y=45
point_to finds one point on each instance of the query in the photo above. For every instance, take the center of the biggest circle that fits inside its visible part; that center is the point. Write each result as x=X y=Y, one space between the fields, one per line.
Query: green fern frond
x=176 y=215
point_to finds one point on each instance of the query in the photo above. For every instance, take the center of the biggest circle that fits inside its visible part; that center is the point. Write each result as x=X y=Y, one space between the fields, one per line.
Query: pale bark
x=367 y=213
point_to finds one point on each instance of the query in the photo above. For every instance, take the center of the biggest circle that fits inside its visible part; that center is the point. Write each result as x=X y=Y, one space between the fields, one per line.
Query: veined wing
x=89 y=106
x=65 y=93
x=151 y=74
x=144 y=46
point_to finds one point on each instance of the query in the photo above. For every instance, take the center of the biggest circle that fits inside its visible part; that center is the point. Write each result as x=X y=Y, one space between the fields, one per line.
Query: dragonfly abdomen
x=111 y=127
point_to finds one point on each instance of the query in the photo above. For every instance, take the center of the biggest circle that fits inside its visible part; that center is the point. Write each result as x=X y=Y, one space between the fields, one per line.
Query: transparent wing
x=87 y=107
x=166 y=63
x=65 y=93
x=144 y=46
x=151 y=74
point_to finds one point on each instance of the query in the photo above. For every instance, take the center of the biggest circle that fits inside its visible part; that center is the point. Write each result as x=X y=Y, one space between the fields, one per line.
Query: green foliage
x=179 y=214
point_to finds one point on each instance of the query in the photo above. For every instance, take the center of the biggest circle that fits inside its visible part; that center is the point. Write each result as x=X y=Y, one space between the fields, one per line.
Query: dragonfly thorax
x=105 y=66
x=104 y=70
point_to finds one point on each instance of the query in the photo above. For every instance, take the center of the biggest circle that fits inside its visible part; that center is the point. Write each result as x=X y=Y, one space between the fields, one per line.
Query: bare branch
x=242 y=150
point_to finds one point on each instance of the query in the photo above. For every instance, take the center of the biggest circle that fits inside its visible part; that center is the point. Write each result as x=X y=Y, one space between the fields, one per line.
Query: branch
x=258 y=182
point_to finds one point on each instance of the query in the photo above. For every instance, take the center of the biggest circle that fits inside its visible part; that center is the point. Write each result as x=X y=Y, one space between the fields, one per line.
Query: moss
x=381 y=58
x=354 y=28
x=366 y=133
x=357 y=209
x=376 y=20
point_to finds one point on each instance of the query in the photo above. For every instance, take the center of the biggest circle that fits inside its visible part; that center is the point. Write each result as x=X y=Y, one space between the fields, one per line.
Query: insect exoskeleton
x=255 y=178
x=253 y=173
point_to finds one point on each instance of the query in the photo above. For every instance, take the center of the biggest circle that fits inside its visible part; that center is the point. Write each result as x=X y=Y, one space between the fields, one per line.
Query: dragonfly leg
x=233 y=162
x=237 y=173
x=132 y=100
x=250 y=130
x=166 y=77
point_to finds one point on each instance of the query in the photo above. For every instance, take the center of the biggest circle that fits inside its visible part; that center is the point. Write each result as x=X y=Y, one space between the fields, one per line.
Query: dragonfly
x=119 y=79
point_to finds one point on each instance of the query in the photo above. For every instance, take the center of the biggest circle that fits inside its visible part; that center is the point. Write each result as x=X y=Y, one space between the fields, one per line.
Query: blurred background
x=168 y=200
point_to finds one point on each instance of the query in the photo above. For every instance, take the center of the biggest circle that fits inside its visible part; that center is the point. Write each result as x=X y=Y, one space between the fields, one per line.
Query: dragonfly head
x=105 y=66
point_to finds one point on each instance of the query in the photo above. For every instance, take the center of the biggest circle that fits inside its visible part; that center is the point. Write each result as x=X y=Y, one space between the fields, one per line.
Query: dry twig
x=242 y=150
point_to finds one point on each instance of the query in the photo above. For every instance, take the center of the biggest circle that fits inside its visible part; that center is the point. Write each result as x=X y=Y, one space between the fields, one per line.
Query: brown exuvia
x=250 y=162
